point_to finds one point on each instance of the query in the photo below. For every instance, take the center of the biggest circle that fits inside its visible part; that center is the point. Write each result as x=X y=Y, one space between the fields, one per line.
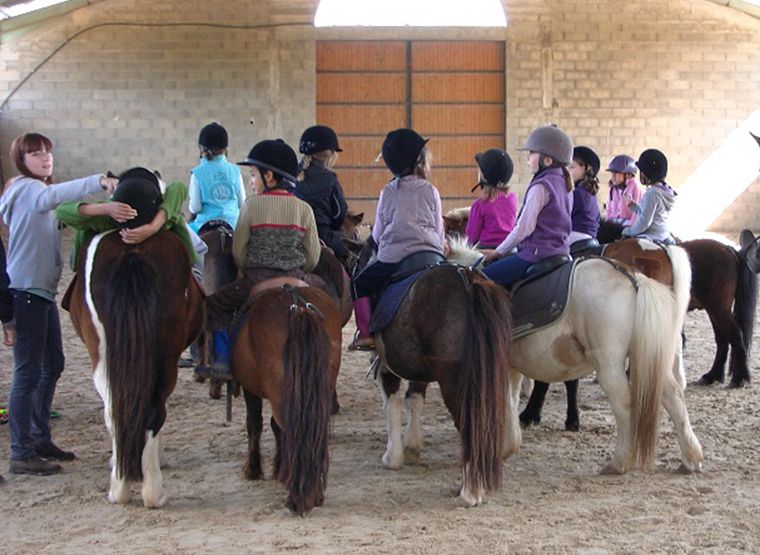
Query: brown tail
x=484 y=379
x=306 y=403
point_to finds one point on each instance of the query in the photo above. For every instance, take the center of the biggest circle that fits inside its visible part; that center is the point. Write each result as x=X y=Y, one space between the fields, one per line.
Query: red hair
x=24 y=144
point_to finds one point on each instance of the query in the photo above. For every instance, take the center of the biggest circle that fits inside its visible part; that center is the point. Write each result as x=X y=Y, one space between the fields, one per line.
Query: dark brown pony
x=726 y=288
x=136 y=307
x=453 y=328
x=288 y=351
x=219 y=269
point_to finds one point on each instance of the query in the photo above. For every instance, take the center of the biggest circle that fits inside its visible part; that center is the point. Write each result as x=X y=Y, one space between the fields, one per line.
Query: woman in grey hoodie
x=34 y=266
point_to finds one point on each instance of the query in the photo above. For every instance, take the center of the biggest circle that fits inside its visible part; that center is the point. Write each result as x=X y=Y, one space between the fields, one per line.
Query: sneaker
x=34 y=465
x=53 y=452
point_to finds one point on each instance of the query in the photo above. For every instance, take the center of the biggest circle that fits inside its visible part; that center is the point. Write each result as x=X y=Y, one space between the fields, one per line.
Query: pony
x=136 y=308
x=455 y=221
x=724 y=286
x=288 y=351
x=468 y=357
x=668 y=265
x=613 y=315
x=219 y=269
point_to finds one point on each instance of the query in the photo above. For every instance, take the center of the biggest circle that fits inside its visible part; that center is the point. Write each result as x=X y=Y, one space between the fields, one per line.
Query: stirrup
x=214 y=373
x=362 y=344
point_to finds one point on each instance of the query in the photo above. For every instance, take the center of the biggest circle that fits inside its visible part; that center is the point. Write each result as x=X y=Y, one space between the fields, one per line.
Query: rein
x=622 y=268
x=297 y=301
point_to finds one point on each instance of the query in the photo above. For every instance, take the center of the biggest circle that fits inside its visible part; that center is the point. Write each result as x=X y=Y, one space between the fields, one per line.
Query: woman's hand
x=489 y=255
x=138 y=234
x=120 y=211
x=9 y=334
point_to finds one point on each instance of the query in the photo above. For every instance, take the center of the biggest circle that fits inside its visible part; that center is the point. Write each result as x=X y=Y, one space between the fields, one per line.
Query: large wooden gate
x=450 y=92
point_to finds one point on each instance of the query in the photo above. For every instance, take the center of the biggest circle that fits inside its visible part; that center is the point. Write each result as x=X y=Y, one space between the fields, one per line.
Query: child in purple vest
x=543 y=226
x=585 y=215
x=493 y=215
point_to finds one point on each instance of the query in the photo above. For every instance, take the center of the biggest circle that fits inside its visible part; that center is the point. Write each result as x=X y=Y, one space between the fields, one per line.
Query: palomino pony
x=288 y=351
x=136 y=307
x=668 y=265
x=726 y=288
x=468 y=357
x=612 y=316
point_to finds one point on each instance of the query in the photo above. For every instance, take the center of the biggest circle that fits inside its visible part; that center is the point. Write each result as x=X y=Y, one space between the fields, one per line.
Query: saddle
x=211 y=225
x=585 y=247
x=393 y=293
x=541 y=298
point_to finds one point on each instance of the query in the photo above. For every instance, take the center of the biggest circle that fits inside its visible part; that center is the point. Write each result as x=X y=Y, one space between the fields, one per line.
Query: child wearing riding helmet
x=137 y=216
x=625 y=190
x=275 y=236
x=319 y=186
x=34 y=267
x=585 y=214
x=216 y=186
x=493 y=215
x=409 y=219
x=658 y=201
x=544 y=225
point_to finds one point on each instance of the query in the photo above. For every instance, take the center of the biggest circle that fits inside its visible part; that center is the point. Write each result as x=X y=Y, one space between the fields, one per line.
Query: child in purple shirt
x=493 y=215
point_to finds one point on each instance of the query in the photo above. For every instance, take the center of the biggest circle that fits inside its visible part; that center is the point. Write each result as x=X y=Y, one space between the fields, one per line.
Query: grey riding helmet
x=551 y=141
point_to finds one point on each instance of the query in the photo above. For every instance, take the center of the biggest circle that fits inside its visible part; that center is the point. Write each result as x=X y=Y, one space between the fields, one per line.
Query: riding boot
x=220 y=368
x=363 y=341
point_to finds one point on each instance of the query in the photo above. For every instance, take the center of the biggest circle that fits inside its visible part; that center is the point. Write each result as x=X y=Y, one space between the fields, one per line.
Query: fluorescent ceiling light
x=26 y=7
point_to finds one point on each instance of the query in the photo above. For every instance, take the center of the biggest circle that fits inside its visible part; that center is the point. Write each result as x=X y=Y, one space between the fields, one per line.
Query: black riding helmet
x=653 y=164
x=139 y=188
x=318 y=138
x=213 y=137
x=274 y=155
x=496 y=167
x=588 y=157
x=401 y=150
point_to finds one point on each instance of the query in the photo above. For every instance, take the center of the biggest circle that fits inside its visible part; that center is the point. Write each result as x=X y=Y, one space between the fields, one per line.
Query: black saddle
x=540 y=299
x=211 y=225
x=585 y=246
x=416 y=262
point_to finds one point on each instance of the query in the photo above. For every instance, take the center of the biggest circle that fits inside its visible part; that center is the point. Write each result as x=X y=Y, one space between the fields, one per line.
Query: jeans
x=38 y=363
x=508 y=270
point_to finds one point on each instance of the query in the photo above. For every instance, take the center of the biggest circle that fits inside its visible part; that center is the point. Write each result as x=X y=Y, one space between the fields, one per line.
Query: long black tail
x=484 y=385
x=132 y=325
x=306 y=404
x=745 y=301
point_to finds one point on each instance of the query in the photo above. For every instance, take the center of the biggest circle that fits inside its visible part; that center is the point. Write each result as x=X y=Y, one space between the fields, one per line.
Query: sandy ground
x=553 y=500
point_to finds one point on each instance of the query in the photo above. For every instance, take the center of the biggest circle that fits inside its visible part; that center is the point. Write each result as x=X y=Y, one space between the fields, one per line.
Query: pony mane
x=462 y=252
x=459 y=213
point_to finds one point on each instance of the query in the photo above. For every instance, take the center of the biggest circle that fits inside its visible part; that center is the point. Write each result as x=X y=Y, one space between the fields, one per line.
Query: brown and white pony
x=136 y=307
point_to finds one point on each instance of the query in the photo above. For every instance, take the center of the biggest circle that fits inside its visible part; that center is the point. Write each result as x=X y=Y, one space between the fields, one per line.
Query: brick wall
x=678 y=75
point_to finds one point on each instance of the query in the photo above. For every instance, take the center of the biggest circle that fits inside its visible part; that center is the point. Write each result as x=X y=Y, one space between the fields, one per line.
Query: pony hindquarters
x=289 y=352
x=139 y=301
x=468 y=357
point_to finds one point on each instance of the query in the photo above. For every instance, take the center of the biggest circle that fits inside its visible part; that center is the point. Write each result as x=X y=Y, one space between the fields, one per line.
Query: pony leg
x=389 y=384
x=572 y=421
x=614 y=382
x=415 y=401
x=512 y=430
x=153 y=484
x=679 y=372
x=254 y=424
x=119 y=490
x=532 y=413
x=718 y=369
x=277 y=431
x=691 y=450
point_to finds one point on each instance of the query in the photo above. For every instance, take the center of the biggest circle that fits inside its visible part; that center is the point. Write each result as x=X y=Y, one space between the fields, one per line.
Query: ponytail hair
x=424 y=163
x=326 y=157
x=211 y=153
x=590 y=181
x=568 y=179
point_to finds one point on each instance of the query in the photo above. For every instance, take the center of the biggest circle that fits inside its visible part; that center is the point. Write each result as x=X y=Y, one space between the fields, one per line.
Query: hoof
x=739 y=384
x=156 y=504
x=215 y=389
x=527 y=420
x=391 y=464
x=466 y=499
x=611 y=469
x=684 y=468
x=572 y=426
x=411 y=455
x=707 y=380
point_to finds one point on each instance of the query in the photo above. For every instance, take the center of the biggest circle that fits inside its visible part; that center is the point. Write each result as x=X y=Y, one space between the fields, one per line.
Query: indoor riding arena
x=118 y=84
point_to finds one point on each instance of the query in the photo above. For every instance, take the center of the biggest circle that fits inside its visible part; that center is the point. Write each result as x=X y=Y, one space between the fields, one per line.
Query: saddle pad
x=391 y=299
x=537 y=303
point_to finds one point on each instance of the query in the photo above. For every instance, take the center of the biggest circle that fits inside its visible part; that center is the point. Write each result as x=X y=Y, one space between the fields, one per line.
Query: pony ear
x=755 y=137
